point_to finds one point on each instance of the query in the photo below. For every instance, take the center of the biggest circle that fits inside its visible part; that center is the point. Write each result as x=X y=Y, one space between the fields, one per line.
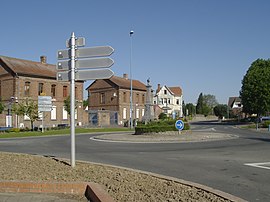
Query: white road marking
x=264 y=165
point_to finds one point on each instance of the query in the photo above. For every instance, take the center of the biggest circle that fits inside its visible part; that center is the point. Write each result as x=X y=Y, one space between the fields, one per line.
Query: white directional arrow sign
x=86 y=74
x=98 y=51
x=92 y=74
x=86 y=63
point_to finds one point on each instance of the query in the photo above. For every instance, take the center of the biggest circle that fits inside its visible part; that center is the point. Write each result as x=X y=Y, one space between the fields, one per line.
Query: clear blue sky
x=202 y=46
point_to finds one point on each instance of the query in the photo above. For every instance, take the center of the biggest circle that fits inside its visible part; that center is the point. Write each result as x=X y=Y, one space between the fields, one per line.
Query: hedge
x=156 y=127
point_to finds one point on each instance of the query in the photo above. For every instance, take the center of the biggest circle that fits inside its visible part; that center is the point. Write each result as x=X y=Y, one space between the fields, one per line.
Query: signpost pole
x=42 y=130
x=72 y=99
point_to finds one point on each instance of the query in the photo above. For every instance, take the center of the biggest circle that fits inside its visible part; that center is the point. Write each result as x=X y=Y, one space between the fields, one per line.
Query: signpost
x=179 y=124
x=86 y=63
x=44 y=105
x=94 y=65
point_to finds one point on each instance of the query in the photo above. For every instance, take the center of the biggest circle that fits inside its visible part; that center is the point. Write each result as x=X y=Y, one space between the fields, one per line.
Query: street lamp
x=130 y=114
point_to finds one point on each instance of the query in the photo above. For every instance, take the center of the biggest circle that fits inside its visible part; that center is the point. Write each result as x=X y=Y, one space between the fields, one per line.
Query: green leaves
x=255 y=91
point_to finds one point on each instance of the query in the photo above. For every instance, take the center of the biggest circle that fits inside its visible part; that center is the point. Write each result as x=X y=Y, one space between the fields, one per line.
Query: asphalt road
x=218 y=164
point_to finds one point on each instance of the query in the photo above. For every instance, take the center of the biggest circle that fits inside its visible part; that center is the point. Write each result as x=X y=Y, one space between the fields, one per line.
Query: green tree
x=191 y=109
x=221 y=110
x=199 y=106
x=184 y=108
x=27 y=108
x=255 y=91
x=2 y=107
x=67 y=105
x=205 y=104
x=85 y=103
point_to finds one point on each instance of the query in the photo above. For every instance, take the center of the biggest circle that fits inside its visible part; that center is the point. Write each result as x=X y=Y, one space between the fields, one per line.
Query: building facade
x=22 y=80
x=169 y=100
x=113 y=95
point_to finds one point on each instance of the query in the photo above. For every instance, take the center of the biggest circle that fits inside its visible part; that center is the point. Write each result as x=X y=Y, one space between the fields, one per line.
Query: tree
x=191 y=109
x=221 y=110
x=67 y=105
x=209 y=102
x=255 y=91
x=2 y=107
x=205 y=104
x=199 y=106
x=184 y=108
x=27 y=108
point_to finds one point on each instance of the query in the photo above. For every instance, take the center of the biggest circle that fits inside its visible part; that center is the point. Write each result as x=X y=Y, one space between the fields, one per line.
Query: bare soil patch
x=121 y=184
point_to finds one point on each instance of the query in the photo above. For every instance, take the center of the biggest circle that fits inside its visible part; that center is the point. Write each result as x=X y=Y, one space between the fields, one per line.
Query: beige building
x=22 y=79
x=113 y=96
x=169 y=100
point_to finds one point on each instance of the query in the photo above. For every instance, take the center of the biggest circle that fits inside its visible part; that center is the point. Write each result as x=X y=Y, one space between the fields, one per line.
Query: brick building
x=23 y=79
x=113 y=95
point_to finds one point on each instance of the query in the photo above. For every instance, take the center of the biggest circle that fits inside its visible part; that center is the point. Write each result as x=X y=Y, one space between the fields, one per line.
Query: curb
x=92 y=191
x=217 y=192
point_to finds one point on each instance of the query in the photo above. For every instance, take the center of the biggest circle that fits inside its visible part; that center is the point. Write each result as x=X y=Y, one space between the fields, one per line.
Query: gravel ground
x=121 y=184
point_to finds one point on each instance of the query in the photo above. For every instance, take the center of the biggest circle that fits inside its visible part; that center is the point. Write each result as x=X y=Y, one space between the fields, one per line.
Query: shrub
x=266 y=124
x=158 y=126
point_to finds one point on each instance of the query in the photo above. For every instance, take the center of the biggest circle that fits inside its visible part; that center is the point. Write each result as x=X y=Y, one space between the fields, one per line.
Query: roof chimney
x=43 y=59
x=125 y=76
x=158 y=87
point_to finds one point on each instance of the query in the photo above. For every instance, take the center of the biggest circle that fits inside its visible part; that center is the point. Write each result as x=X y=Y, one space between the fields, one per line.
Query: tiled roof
x=125 y=83
x=176 y=90
x=27 y=68
x=120 y=82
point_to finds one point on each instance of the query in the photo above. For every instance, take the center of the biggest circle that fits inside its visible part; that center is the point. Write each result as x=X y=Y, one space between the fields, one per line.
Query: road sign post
x=71 y=68
x=179 y=124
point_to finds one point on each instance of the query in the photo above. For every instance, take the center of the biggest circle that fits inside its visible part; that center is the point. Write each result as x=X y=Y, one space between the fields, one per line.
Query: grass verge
x=59 y=132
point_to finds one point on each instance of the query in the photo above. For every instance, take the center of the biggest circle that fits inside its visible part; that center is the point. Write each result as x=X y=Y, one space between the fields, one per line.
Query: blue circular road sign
x=179 y=124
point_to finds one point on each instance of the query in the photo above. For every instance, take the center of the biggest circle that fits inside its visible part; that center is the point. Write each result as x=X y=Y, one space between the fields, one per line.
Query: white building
x=169 y=100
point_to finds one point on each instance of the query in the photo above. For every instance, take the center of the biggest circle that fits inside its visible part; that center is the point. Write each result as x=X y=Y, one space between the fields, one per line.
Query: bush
x=266 y=124
x=159 y=126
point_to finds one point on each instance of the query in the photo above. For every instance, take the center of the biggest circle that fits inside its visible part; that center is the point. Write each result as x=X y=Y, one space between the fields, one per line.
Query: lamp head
x=131 y=32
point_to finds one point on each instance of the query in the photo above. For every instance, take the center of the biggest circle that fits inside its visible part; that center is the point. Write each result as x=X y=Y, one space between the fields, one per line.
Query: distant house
x=169 y=100
x=23 y=79
x=109 y=100
x=235 y=105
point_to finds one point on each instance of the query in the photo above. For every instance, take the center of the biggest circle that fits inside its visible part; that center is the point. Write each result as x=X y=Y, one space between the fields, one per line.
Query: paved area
x=168 y=137
x=31 y=197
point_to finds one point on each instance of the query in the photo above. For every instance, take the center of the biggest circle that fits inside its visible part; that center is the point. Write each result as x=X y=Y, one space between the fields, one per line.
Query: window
x=124 y=113
x=40 y=88
x=142 y=112
x=53 y=113
x=102 y=98
x=27 y=89
x=65 y=114
x=137 y=113
x=165 y=100
x=165 y=92
x=137 y=98
x=177 y=101
x=143 y=98
x=65 y=91
x=76 y=93
x=169 y=101
x=53 y=90
x=124 y=97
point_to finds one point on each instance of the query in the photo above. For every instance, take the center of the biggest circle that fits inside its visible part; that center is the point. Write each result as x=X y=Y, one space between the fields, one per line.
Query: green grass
x=59 y=132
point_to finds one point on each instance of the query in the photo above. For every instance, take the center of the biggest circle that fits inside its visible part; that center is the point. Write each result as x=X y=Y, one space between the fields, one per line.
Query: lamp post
x=131 y=104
